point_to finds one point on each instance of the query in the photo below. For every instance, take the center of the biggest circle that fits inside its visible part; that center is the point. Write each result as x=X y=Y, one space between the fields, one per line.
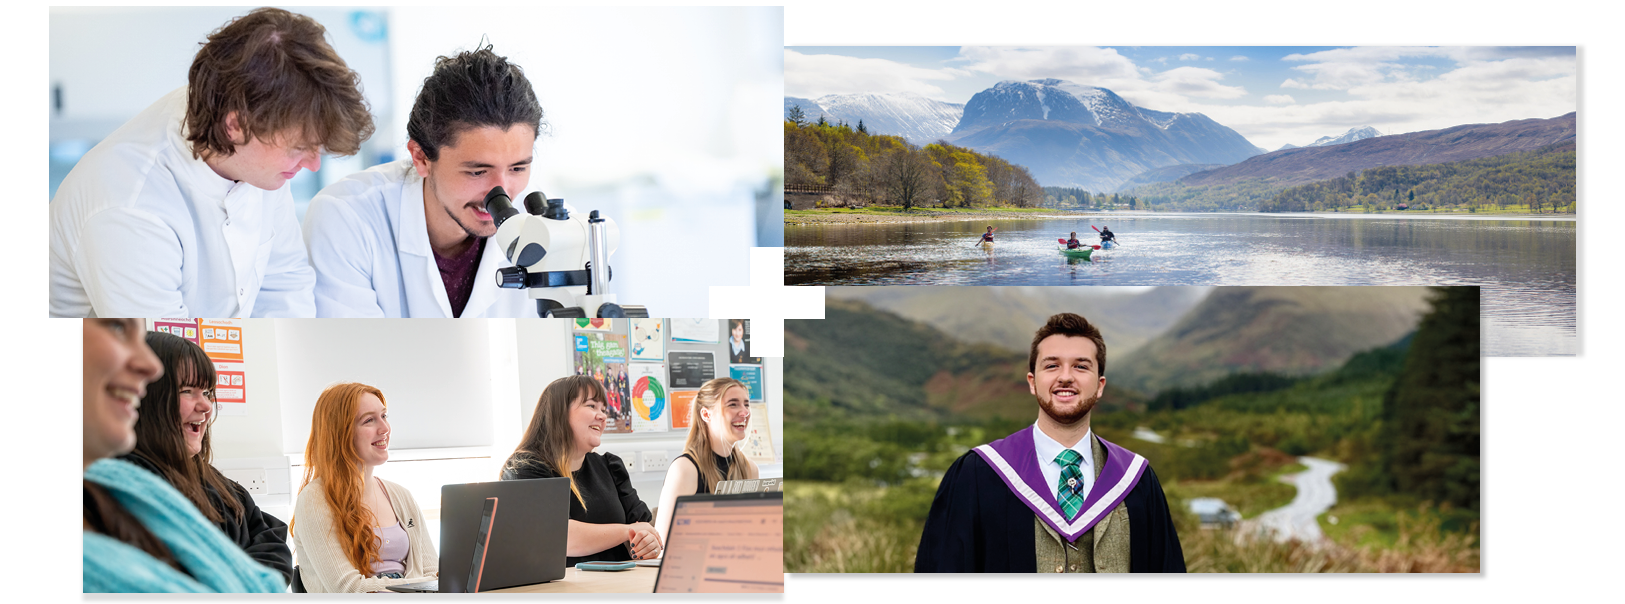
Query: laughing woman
x=172 y=441
x=607 y=520
x=141 y=535
x=354 y=532
x=716 y=423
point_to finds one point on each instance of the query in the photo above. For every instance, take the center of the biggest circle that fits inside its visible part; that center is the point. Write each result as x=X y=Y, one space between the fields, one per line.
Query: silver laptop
x=725 y=544
x=526 y=524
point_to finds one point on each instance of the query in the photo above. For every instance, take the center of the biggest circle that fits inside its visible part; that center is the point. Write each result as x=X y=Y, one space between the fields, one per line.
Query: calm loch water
x=1526 y=267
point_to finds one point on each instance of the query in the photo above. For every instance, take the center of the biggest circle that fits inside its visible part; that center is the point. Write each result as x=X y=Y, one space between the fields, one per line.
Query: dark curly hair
x=1068 y=324
x=469 y=90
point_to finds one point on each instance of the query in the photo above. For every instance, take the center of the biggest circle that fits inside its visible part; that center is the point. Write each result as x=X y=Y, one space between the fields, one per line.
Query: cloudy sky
x=1270 y=94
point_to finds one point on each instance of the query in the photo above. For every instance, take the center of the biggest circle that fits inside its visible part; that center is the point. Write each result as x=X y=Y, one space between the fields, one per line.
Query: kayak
x=1108 y=244
x=1082 y=252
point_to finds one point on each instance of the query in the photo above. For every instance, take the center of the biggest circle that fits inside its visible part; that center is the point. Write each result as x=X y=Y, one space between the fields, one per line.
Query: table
x=637 y=580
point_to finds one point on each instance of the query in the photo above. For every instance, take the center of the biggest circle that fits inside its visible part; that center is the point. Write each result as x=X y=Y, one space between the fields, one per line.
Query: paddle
x=1114 y=239
x=1063 y=242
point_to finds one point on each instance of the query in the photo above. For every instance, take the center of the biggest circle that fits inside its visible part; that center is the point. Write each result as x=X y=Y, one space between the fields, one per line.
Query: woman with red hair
x=355 y=532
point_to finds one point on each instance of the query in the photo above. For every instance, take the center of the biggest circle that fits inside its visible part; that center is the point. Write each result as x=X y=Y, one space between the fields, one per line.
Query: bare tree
x=908 y=177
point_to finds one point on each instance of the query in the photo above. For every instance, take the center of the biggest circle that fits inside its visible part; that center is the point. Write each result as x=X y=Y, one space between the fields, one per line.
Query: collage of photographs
x=1306 y=261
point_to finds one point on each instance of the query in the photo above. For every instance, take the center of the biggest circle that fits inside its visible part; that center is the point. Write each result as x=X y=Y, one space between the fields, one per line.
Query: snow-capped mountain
x=917 y=119
x=1354 y=134
x=1069 y=134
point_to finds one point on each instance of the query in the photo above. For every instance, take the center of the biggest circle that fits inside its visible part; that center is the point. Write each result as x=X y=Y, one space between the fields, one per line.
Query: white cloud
x=1279 y=99
x=1241 y=58
x=1082 y=64
x=1197 y=82
x=813 y=76
x=1189 y=57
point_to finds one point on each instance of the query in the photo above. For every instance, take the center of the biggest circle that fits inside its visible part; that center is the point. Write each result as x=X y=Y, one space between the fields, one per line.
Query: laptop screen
x=725 y=544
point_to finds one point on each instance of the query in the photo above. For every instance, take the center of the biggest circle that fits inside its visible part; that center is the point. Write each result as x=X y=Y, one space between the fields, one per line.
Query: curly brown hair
x=1070 y=325
x=276 y=72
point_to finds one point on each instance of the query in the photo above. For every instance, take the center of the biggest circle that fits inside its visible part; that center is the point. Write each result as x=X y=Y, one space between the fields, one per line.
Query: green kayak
x=1082 y=252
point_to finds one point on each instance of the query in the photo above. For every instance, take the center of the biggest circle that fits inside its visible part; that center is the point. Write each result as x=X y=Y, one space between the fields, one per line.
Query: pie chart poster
x=651 y=405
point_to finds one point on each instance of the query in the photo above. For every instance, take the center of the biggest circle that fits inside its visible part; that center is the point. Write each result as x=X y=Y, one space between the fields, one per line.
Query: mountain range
x=917 y=119
x=1457 y=143
x=1354 y=134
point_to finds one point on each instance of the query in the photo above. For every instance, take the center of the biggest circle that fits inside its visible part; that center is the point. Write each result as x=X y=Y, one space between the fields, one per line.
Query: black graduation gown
x=977 y=525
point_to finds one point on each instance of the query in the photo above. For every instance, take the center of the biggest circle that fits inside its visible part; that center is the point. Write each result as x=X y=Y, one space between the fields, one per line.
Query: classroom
x=460 y=396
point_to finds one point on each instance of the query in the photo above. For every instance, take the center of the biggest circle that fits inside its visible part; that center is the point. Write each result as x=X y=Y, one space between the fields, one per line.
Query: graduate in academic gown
x=1053 y=495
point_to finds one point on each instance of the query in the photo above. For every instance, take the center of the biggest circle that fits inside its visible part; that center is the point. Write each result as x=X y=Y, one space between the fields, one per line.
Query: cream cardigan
x=323 y=566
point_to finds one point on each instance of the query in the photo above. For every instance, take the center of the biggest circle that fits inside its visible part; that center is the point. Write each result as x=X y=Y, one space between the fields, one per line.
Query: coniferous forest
x=857 y=165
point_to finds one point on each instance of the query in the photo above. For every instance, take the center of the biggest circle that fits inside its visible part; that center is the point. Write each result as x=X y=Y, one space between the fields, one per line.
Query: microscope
x=562 y=259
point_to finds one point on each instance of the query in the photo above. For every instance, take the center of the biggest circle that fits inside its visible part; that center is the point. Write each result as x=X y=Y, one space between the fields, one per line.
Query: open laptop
x=527 y=526
x=725 y=544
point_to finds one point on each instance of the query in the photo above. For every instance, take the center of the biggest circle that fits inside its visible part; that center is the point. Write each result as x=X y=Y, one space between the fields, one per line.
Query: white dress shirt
x=141 y=228
x=1048 y=449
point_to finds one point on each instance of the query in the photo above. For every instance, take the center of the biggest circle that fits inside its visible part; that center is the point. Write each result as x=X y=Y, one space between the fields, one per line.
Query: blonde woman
x=354 y=532
x=716 y=423
x=608 y=522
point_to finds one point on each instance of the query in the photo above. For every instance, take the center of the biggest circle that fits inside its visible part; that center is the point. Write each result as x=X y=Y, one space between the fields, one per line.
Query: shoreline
x=822 y=217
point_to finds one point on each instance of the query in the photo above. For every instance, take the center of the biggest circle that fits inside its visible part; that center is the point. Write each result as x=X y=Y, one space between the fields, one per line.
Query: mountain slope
x=915 y=118
x=1471 y=141
x=1073 y=135
x=1289 y=330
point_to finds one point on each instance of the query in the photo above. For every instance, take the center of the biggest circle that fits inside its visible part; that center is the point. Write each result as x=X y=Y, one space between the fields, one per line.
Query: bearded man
x=1053 y=497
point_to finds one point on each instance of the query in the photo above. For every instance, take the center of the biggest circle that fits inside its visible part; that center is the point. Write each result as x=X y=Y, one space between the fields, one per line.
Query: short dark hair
x=1068 y=324
x=275 y=70
x=472 y=89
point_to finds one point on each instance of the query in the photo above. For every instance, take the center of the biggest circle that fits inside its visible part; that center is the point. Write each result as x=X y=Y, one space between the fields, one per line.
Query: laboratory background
x=664 y=119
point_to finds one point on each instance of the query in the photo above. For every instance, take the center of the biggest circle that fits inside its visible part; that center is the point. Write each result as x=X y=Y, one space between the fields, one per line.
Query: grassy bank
x=898 y=214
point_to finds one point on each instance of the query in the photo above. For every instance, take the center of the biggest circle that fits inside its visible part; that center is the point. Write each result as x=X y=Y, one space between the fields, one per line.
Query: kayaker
x=1107 y=235
x=1073 y=242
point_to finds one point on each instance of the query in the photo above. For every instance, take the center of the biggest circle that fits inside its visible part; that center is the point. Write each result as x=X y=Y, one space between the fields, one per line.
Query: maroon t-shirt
x=458 y=275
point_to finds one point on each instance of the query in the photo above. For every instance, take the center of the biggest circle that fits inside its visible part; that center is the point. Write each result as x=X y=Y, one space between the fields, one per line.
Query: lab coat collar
x=413 y=238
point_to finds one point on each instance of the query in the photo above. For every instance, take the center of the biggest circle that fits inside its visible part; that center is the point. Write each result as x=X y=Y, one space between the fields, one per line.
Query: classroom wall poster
x=758 y=443
x=682 y=403
x=751 y=375
x=182 y=328
x=651 y=411
x=739 y=343
x=222 y=341
x=603 y=357
x=695 y=330
x=595 y=325
x=691 y=368
x=648 y=340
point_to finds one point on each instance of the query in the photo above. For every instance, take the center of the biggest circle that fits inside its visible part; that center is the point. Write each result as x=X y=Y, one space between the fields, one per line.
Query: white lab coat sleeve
x=288 y=289
x=129 y=262
x=341 y=252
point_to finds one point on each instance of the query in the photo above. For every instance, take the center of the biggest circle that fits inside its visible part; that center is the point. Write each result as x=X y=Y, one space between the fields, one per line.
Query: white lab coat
x=369 y=243
x=140 y=228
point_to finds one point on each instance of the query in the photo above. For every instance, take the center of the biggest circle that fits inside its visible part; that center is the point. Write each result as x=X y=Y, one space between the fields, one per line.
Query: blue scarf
x=216 y=563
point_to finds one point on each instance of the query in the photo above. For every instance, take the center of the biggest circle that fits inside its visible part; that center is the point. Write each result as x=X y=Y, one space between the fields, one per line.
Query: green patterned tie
x=1071 y=481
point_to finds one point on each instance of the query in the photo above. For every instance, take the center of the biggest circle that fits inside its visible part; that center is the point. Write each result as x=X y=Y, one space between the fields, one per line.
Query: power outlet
x=252 y=479
x=655 y=461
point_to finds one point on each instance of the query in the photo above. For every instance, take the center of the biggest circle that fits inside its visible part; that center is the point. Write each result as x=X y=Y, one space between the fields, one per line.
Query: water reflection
x=1526 y=267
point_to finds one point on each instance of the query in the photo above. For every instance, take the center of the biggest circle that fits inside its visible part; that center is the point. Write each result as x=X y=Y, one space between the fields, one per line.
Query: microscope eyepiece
x=555 y=210
x=499 y=205
x=535 y=203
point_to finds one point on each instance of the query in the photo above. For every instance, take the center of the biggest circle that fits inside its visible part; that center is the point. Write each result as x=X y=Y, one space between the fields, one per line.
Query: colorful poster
x=648 y=339
x=739 y=343
x=758 y=443
x=751 y=375
x=694 y=330
x=682 y=403
x=183 y=328
x=650 y=409
x=603 y=356
x=691 y=368
x=594 y=325
x=221 y=339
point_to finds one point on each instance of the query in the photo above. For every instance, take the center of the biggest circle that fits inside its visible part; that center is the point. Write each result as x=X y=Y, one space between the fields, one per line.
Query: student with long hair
x=140 y=534
x=716 y=423
x=172 y=441
x=354 y=532
x=607 y=519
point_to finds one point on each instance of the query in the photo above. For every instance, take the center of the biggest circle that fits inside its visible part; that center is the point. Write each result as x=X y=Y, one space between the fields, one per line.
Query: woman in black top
x=716 y=423
x=172 y=441
x=607 y=520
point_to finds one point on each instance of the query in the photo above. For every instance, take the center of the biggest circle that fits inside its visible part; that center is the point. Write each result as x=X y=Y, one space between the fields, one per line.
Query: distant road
x=1315 y=495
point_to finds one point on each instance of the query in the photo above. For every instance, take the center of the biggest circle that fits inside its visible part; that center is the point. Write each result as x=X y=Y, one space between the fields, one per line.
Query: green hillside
x=1539 y=180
